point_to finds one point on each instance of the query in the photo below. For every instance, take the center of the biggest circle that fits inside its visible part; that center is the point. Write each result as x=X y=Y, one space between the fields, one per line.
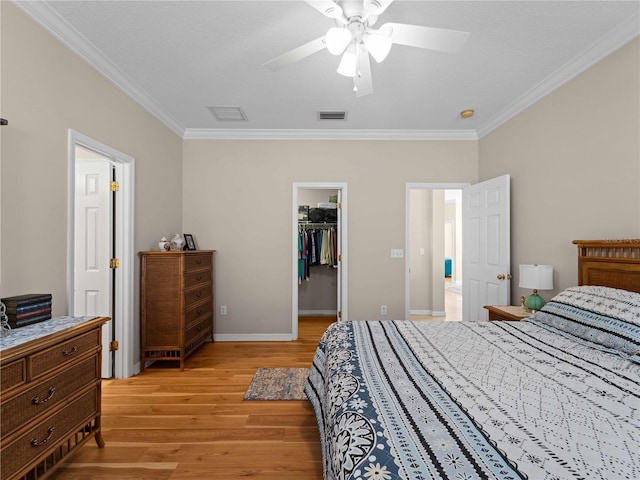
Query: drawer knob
x=199 y=261
x=36 y=443
x=37 y=401
x=199 y=311
x=68 y=353
x=199 y=277
x=199 y=294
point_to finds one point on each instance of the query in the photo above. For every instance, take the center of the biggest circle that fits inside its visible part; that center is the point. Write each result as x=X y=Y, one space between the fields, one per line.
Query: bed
x=554 y=397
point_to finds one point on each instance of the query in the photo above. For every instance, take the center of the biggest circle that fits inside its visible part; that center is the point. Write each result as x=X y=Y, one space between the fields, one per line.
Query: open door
x=98 y=227
x=339 y=266
x=486 y=246
x=93 y=277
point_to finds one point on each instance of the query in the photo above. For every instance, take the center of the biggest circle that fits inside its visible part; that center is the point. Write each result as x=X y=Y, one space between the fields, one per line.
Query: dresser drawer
x=197 y=329
x=197 y=262
x=197 y=312
x=63 y=353
x=33 y=444
x=199 y=294
x=13 y=374
x=42 y=397
x=198 y=278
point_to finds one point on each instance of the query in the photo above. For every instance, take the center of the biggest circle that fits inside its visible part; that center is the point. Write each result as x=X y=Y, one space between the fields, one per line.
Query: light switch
x=397 y=253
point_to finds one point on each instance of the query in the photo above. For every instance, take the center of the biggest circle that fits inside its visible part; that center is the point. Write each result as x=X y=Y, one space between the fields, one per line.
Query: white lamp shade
x=378 y=45
x=348 y=65
x=337 y=39
x=536 y=277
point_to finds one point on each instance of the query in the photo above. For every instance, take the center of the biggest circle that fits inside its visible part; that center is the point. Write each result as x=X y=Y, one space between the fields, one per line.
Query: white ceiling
x=177 y=58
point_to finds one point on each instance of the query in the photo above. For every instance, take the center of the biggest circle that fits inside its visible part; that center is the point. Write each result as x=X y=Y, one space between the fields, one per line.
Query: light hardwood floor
x=170 y=425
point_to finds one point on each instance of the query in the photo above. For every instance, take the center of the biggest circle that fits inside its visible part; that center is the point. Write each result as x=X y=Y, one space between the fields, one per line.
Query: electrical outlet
x=223 y=309
x=383 y=309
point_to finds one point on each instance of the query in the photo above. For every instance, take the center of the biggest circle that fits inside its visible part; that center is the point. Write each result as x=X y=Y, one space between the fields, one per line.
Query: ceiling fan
x=355 y=39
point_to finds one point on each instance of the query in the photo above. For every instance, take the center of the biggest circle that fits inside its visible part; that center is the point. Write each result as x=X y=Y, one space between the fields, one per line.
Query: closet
x=317 y=253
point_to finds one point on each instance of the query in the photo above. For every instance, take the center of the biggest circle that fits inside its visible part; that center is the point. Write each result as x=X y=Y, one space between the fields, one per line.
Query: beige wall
x=238 y=200
x=427 y=270
x=574 y=160
x=47 y=90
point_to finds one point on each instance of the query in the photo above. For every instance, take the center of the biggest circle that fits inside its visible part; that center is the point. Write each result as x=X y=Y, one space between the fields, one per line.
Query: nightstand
x=507 y=312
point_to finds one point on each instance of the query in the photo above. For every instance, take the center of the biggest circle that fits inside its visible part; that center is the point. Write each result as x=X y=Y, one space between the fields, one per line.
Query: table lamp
x=536 y=277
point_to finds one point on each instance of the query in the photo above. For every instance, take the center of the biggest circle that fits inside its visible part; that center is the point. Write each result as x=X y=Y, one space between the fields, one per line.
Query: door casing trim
x=125 y=286
x=297 y=186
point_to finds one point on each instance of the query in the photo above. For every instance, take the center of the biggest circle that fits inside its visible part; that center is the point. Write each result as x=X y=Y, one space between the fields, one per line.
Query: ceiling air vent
x=226 y=113
x=333 y=115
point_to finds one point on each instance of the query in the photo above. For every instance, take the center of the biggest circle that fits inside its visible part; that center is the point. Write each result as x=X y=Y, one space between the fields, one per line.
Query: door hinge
x=339 y=258
x=114 y=263
x=113 y=346
x=340 y=205
x=114 y=186
x=339 y=313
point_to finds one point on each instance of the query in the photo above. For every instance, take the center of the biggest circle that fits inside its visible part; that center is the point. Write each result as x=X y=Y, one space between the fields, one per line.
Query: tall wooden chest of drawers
x=51 y=394
x=176 y=303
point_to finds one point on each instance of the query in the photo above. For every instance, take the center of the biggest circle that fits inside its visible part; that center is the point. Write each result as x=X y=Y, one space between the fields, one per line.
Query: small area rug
x=278 y=384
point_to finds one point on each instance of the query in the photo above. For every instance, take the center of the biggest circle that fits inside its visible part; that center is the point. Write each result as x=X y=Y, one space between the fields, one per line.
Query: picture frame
x=190 y=243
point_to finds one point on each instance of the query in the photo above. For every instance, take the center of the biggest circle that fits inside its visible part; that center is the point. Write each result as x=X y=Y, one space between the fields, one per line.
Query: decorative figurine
x=177 y=242
x=163 y=244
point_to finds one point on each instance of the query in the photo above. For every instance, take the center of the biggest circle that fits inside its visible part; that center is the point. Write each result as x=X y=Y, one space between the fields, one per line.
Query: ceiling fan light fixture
x=378 y=45
x=337 y=39
x=349 y=63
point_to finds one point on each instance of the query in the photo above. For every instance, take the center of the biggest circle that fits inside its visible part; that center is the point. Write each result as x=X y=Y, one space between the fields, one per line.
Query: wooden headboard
x=609 y=263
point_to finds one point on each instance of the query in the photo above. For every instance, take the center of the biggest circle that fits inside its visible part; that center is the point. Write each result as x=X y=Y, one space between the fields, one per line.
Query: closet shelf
x=317 y=224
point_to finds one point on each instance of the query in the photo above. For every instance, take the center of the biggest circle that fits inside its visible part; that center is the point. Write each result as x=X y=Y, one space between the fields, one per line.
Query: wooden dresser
x=51 y=394
x=176 y=303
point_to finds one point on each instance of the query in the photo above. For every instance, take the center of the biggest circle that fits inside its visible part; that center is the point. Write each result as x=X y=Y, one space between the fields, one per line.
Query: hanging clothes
x=316 y=246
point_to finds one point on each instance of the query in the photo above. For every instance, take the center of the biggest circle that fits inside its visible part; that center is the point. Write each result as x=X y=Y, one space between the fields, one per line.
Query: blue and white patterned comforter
x=454 y=400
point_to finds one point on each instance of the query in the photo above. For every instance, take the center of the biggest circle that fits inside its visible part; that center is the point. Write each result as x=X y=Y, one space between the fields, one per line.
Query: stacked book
x=27 y=309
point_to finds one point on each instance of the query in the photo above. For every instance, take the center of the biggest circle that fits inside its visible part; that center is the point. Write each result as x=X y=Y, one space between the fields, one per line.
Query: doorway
x=328 y=293
x=434 y=251
x=100 y=229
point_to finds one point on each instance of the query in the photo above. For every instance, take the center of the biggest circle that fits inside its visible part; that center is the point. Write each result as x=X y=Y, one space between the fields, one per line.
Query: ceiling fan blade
x=327 y=8
x=296 y=54
x=376 y=7
x=440 y=39
x=363 y=80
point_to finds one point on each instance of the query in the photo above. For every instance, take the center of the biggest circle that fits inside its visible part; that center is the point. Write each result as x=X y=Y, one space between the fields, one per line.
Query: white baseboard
x=432 y=313
x=319 y=313
x=253 y=337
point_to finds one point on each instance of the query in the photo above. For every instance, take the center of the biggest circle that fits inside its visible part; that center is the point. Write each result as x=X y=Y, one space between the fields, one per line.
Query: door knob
x=502 y=276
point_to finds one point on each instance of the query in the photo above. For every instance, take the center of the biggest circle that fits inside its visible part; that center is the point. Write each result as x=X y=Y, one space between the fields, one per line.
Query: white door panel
x=486 y=246
x=92 y=276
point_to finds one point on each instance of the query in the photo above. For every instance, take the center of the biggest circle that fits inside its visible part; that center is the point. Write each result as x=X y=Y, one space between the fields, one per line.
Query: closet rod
x=317 y=224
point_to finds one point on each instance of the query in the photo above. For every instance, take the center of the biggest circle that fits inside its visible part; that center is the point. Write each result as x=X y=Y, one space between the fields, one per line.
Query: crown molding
x=589 y=57
x=49 y=19
x=311 y=134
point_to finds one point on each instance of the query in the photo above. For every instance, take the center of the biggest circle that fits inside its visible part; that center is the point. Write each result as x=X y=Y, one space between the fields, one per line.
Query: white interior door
x=486 y=247
x=93 y=245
